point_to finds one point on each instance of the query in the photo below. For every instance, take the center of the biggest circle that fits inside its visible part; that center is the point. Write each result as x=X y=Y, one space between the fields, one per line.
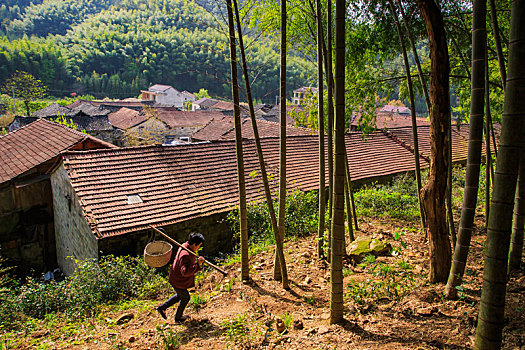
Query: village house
x=27 y=234
x=165 y=96
x=158 y=125
x=87 y=116
x=119 y=193
x=224 y=129
x=299 y=95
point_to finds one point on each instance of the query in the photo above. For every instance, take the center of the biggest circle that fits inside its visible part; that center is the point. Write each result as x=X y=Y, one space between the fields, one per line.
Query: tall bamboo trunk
x=416 y=59
x=279 y=247
x=338 y=228
x=497 y=41
x=245 y=272
x=330 y=117
x=282 y=143
x=348 y=201
x=412 y=104
x=470 y=196
x=487 y=130
x=491 y=317
x=434 y=192
x=516 y=241
x=322 y=181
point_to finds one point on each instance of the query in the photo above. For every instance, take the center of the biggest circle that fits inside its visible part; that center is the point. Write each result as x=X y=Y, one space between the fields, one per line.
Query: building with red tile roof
x=123 y=191
x=224 y=129
x=27 y=156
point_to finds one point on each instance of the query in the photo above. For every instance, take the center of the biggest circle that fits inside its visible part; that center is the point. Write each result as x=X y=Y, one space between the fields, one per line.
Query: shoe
x=182 y=319
x=161 y=312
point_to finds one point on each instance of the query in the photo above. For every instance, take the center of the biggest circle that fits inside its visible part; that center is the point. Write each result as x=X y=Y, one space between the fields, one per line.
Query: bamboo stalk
x=188 y=250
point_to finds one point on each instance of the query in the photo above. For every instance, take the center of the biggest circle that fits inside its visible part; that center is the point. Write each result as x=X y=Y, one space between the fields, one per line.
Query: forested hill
x=115 y=48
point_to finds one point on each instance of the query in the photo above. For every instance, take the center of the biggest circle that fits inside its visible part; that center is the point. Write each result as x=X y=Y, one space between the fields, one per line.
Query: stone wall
x=74 y=239
x=27 y=237
x=216 y=231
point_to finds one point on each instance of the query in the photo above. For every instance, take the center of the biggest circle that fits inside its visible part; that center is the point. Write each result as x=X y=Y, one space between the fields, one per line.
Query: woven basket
x=157 y=253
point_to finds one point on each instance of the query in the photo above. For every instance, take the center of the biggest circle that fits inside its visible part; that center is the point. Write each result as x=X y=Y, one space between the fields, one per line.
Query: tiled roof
x=394 y=109
x=159 y=87
x=388 y=121
x=52 y=110
x=206 y=102
x=177 y=183
x=306 y=89
x=224 y=129
x=175 y=118
x=37 y=143
x=459 y=140
x=126 y=118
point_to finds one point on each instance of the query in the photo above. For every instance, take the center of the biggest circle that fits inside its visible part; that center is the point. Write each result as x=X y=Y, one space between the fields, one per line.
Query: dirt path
x=389 y=305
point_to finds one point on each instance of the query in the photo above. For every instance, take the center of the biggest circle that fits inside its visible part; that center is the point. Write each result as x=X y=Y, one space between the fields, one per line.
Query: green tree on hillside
x=26 y=87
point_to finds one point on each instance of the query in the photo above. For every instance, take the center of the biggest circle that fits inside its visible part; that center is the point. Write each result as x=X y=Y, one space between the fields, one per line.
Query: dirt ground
x=247 y=316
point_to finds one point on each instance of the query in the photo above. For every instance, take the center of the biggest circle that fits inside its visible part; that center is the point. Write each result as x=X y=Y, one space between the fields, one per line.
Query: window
x=184 y=138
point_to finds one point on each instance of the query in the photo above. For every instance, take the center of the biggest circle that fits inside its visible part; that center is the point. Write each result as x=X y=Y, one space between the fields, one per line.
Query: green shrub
x=301 y=216
x=94 y=283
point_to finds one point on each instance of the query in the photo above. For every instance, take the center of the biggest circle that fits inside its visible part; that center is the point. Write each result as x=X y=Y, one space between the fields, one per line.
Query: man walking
x=182 y=276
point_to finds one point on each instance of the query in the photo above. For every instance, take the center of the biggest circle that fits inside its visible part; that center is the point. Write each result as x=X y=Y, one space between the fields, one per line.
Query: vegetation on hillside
x=116 y=48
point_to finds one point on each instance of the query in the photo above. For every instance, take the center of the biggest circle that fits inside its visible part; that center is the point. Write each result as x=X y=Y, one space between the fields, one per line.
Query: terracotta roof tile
x=459 y=140
x=175 y=118
x=177 y=183
x=126 y=118
x=224 y=129
x=37 y=143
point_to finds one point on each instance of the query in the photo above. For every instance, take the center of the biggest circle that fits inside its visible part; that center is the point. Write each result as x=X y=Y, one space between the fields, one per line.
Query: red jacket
x=183 y=270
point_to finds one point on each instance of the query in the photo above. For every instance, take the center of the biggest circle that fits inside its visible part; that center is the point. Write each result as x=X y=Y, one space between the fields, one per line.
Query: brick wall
x=73 y=235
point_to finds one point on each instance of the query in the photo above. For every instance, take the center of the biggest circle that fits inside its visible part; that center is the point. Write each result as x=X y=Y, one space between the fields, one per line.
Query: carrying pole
x=188 y=250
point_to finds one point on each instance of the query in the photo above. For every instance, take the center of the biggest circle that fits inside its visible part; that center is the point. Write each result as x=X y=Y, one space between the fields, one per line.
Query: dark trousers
x=183 y=296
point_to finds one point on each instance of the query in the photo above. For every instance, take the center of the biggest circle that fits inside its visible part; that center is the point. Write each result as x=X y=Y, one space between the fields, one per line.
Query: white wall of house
x=171 y=97
x=74 y=238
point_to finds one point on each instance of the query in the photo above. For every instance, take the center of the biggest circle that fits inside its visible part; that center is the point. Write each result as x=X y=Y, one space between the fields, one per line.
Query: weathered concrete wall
x=215 y=229
x=74 y=239
x=27 y=236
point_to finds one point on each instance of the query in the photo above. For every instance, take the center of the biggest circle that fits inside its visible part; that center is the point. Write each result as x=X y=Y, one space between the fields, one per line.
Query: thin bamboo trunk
x=491 y=317
x=348 y=201
x=516 y=240
x=245 y=272
x=497 y=41
x=338 y=228
x=450 y=215
x=412 y=102
x=416 y=59
x=470 y=196
x=279 y=247
x=282 y=142
x=488 y=155
x=320 y=93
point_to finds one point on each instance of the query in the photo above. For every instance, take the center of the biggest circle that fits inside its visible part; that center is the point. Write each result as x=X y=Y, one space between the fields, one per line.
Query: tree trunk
x=322 y=182
x=450 y=215
x=412 y=102
x=416 y=58
x=491 y=318
x=348 y=202
x=488 y=155
x=338 y=228
x=245 y=272
x=497 y=41
x=516 y=241
x=470 y=196
x=434 y=191
x=282 y=157
x=279 y=247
